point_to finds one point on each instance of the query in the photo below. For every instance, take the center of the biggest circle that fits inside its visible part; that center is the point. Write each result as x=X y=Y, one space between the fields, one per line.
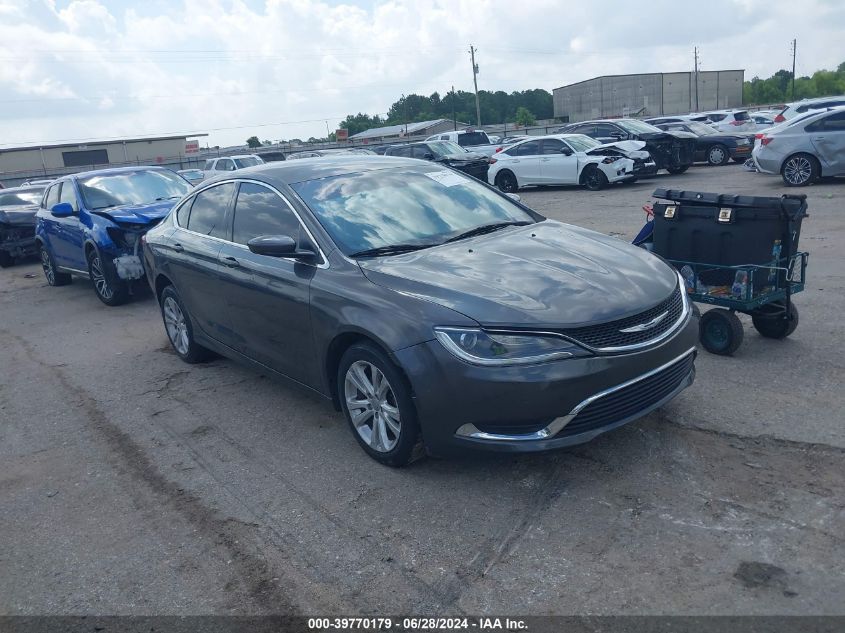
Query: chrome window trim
x=322 y=265
x=556 y=426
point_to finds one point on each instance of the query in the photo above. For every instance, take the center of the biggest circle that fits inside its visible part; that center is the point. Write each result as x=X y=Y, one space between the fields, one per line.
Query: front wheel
x=800 y=170
x=506 y=182
x=594 y=178
x=108 y=290
x=179 y=329
x=718 y=155
x=678 y=169
x=376 y=401
x=720 y=331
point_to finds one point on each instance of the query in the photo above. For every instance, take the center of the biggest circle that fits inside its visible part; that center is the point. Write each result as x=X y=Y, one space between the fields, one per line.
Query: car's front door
x=828 y=138
x=526 y=163
x=556 y=168
x=72 y=249
x=49 y=222
x=268 y=297
x=609 y=133
x=193 y=258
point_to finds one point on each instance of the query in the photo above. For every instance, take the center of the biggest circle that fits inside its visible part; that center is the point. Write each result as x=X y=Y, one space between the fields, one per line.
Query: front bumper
x=18 y=241
x=741 y=152
x=642 y=169
x=546 y=406
x=476 y=171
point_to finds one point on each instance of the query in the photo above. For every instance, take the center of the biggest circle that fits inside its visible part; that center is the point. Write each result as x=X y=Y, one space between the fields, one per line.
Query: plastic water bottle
x=740 y=284
x=773 y=273
x=689 y=278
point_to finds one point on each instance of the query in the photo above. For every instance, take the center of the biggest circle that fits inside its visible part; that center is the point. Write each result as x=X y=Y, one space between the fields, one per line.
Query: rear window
x=473 y=138
x=741 y=116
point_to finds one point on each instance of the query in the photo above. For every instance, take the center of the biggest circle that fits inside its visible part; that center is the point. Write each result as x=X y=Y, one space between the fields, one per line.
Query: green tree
x=524 y=116
x=253 y=141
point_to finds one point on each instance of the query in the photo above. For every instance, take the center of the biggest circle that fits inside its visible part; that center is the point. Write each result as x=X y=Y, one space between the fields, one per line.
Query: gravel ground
x=131 y=483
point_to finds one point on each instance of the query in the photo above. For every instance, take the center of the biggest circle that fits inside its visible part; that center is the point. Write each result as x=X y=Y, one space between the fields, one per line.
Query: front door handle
x=231 y=262
x=818 y=138
x=178 y=247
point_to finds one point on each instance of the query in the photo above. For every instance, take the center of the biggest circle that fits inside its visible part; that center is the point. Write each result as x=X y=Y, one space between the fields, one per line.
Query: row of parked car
x=434 y=311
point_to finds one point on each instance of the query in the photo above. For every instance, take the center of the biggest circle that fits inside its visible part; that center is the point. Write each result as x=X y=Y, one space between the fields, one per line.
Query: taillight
x=759 y=135
x=737 y=122
x=498 y=149
x=491 y=160
x=780 y=118
x=765 y=140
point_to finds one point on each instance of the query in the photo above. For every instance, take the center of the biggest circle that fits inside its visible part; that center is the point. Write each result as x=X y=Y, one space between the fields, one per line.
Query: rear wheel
x=180 y=331
x=720 y=331
x=6 y=259
x=506 y=182
x=110 y=291
x=377 y=403
x=800 y=170
x=54 y=278
x=718 y=155
x=594 y=178
x=678 y=169
x=779 y=325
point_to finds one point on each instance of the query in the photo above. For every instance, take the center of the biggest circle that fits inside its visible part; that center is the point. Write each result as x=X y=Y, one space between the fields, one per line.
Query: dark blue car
x=91 y=223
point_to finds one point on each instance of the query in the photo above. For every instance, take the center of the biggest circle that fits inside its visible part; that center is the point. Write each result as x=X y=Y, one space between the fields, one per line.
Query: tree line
x=778 y=87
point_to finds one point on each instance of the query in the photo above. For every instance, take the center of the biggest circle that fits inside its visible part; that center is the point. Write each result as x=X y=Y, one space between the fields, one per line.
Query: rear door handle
x=818 y=138
x=178 y=247
x=231 y=262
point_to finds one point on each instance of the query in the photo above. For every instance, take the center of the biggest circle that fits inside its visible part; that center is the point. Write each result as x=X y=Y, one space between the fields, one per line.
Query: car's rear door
x=526 y=163
x=557 y=168
x=828 y=138
x=268 y=297
x=192 y=256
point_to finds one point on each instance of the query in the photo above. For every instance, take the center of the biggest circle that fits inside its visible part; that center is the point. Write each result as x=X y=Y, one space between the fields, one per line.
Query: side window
x=444 y=137
x=183 y=212
x=224 y=164
x=260 y=211
x=209 y=164
x=69 y=195
x=401 y=151
x=605 y=130
x=835 y=122
x=208 y=212
x=529 y=148
x=52 y=196
x=419 y=151
x=551 y=146
x=589 y=130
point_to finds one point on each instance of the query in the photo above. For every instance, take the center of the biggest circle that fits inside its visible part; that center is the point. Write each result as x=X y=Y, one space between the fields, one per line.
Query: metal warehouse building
x=649 y=94
x=392 y=132
x=46 y=161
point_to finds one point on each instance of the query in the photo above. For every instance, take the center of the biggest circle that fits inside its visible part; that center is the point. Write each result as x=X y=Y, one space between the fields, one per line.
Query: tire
x=54 y=278
x=679 y=169
x=593 y=178
x=111 y=292
x=800 y=170
x=776 y=326
x=718 y=155
x=6 y=260
x=179 y=328
x=385 y=425
x=506 y=182
x=720 y=331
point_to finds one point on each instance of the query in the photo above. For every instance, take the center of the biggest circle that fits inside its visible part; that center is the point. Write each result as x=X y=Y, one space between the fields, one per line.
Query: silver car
x=804 y=149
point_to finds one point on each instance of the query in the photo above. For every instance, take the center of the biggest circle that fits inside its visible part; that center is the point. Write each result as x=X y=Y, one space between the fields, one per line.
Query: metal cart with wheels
x=738 y=253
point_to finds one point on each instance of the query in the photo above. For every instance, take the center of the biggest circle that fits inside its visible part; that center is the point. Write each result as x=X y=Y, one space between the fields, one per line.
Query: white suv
x=792 y=110
x=214 y=166
x=730 y=120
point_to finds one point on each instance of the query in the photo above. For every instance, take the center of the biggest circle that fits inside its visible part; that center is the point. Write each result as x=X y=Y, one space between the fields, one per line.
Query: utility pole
x=405 y=105
x=475 y=83
x=695 y=53
x=454 y=116
x=794 y=51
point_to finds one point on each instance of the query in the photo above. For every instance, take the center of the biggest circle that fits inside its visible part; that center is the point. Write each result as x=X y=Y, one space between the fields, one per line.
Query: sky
x=76 y=70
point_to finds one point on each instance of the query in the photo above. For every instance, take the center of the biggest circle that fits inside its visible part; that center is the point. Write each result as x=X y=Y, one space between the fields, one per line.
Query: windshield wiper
x=487 y=228
x=391 y=249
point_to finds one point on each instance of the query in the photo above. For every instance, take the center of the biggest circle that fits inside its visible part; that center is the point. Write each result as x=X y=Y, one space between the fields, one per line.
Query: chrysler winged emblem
x=641 y=327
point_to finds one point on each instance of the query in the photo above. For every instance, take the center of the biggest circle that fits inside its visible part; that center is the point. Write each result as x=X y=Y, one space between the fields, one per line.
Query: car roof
x=305 y=169
x=22 y=188
x=114 y=170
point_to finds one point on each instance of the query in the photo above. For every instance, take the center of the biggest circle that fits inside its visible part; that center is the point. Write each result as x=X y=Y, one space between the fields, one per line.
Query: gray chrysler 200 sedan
x=434 y=311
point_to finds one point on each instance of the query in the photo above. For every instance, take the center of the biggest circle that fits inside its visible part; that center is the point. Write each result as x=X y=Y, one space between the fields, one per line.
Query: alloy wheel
x=797 y=170
x=99 y=279
x=176 y=326
x=372 y=406
x=47 y=265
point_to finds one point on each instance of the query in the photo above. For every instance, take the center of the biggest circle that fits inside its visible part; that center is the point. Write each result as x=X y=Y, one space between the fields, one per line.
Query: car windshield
x=248 y=161
x=446 y=148
x=21 y=196
x=402 y=206
x=131 y=187
x=636 y=127
x=581 y=142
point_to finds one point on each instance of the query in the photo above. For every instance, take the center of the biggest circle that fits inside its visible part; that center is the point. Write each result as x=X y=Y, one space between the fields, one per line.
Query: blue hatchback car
x=91 y=223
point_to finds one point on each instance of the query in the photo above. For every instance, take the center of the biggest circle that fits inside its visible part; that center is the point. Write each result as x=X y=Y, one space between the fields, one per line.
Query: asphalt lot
x=132 y=483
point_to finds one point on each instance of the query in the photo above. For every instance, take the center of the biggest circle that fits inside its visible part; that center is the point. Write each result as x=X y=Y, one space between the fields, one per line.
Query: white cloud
x=92 y=68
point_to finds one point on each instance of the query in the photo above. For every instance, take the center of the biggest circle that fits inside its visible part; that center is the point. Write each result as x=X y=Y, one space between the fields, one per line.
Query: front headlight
x=501 y=349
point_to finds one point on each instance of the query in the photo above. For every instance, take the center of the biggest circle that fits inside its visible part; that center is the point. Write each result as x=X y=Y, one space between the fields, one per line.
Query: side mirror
x=62 y=210
x=513 y=196
x=278 y=246
x=566 y=151
x=617 y=135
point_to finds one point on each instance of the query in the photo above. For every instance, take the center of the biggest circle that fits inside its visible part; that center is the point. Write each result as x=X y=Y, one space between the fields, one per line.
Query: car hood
x=662 y=136
x=547 y=274
x=19 y=215
x=467 y=157
x=149 y=213
x=723 y=135
x=625 y=146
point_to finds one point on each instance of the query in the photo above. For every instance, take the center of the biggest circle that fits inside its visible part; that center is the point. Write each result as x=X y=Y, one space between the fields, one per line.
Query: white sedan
x=558 y=159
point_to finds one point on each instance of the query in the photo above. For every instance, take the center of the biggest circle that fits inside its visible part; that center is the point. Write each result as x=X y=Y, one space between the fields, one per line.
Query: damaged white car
x=568 y=159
